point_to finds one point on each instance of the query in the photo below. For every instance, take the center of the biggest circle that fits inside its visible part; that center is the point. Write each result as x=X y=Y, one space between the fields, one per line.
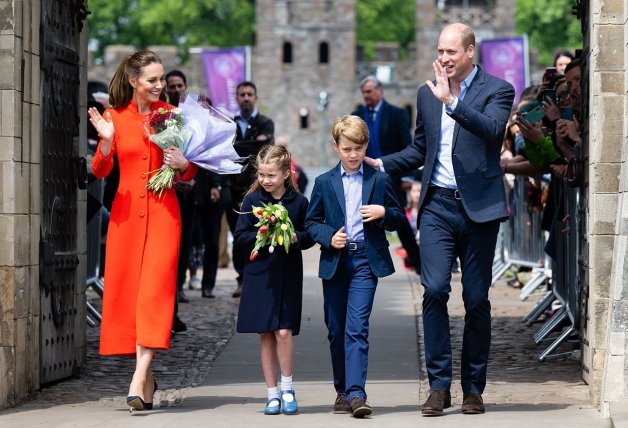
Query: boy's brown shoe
x=360 y=408
x=342 y=405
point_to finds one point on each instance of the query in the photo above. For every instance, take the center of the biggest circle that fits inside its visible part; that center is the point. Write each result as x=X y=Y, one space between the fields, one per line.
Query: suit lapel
x=474 y=90
x=368 y=181
x=336 y=184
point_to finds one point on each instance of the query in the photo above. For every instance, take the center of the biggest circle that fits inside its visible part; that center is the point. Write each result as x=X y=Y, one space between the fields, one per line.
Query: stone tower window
x=287 y=53
x=323 y=53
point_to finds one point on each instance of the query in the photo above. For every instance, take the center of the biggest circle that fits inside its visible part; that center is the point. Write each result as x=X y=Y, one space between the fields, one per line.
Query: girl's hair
x=279 y=156
x=120 y=89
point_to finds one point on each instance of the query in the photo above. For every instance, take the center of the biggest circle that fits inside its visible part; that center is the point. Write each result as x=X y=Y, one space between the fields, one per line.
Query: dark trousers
x=447 y=233
x=348 y=300
x=209 y=216
x=232 y=199
x=188 y=214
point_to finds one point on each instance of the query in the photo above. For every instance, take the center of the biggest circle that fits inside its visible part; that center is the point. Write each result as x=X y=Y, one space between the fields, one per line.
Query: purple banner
x=224 y=69
x=507 y=58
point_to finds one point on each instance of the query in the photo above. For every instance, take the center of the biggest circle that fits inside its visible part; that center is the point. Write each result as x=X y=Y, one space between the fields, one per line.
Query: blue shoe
x=273 y=407
x=289 y=402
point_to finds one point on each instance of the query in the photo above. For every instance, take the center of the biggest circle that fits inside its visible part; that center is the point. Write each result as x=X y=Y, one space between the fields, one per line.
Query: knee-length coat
x=272 y=286
x=142 y=241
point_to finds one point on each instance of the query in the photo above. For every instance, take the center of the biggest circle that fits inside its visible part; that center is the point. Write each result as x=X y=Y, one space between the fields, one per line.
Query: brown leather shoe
x=360 y=408
x=472 y=404
x=341 y=405
x=435 y=403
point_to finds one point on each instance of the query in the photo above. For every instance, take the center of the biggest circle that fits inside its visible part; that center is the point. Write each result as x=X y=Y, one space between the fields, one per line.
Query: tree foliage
x=171 y=22
x=385 y=21
x=549 y=25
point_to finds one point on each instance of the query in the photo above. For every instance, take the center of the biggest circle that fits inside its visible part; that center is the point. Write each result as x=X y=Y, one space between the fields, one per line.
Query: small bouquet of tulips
x=274 y=228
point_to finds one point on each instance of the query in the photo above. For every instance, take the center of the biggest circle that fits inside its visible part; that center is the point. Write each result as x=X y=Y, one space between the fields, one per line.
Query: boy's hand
x=294 y=238
x=339 y=240
x=372 y=212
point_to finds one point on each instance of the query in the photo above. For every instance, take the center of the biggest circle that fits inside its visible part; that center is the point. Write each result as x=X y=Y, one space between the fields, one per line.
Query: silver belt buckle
x=352 y=246
x=457 y=194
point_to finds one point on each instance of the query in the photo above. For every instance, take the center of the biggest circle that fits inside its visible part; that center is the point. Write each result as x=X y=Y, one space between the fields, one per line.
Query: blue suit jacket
x=327 y=212
x=480 y=124
x=394 y=127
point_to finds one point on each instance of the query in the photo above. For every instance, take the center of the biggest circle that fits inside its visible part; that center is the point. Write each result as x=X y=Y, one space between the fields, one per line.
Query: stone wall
x=608 y=211
x=19 y=200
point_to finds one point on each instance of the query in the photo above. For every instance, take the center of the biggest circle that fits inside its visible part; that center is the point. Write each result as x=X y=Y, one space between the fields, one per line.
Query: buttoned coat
x=327 y=214
x=142 y=241
x=272 y=287
x=480 y=122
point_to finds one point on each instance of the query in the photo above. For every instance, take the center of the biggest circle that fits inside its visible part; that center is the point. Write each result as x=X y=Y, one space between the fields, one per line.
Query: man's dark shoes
x=472 y=404
x=341 y=405
x=435 y=403
x=182 y=297
x=360 y=408
x=178 y=326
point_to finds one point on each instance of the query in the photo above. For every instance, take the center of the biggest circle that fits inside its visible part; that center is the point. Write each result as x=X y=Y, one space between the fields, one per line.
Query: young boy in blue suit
x=350 y=208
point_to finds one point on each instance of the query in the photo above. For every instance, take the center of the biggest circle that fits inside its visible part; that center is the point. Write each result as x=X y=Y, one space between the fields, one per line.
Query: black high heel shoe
x=149 y=406
x=135 y=402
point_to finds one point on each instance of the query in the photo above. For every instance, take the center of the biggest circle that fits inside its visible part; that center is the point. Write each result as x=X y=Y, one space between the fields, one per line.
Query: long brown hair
x=279 y=156
x=120 y=89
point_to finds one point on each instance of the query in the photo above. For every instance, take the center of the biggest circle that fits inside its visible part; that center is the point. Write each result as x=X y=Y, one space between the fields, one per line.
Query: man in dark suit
x=389 y=132
x=254 y=130
x=461 y=117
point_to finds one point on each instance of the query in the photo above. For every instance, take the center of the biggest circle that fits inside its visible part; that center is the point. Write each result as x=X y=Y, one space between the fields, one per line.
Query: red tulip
x=253 y=256
x=263 y=229
x=273 y=219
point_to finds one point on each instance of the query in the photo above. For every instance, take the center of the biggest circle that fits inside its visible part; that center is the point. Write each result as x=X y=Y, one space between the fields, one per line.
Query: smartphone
x=532 y=112
x=550 y=74
x=548 y=93
x=566 y=113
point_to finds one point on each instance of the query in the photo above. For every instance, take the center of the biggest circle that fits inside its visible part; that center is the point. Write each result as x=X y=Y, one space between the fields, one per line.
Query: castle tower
x=305 y=49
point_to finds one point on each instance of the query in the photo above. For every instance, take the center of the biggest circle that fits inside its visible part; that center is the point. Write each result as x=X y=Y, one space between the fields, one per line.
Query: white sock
x=272 y=392
x=286 y=383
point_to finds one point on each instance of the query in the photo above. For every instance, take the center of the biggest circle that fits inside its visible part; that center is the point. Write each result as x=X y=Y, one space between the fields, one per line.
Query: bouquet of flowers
x=168 y=131
x=204 y=135
x=275 y=228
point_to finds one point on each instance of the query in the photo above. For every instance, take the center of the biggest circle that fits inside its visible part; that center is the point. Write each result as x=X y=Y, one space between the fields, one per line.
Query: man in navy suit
x=389 y=132
x=350 y=208
x=461 y=117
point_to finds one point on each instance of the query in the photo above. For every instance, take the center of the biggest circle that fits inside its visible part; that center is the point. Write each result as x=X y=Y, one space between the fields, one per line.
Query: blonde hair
x=352 y=128
x=120 y=89
x=278 y=155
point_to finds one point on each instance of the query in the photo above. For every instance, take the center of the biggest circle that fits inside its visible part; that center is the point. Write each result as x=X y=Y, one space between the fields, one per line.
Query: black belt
x=452 y=193
x=354 y=245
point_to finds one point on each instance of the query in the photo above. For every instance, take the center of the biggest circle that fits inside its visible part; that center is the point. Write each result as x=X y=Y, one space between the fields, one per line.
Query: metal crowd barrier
x=565 y=285
x=95 y=189
x=521 y=243
x=521 y=240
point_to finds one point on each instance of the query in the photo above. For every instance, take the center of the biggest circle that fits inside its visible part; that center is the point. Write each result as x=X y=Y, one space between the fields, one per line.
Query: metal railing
x=521 y=244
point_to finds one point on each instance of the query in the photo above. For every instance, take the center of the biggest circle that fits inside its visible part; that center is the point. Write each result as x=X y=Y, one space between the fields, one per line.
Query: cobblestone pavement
x=514 y=375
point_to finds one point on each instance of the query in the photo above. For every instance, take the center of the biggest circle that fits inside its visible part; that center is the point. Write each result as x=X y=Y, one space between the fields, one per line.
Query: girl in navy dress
x=273 y=282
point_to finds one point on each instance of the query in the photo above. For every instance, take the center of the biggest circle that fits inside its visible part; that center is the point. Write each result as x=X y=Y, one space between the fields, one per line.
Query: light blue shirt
x=443 y=175
x=352 y=186
x=244 y=123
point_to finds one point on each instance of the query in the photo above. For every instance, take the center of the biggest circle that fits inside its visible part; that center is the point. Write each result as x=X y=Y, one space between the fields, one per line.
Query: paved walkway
x=228 y=391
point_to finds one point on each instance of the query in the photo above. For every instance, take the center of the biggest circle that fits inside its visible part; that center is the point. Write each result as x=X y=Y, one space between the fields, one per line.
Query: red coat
x=142 y=241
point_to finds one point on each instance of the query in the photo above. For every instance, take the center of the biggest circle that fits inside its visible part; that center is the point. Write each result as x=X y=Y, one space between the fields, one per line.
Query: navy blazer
x=481 y=119
x=327 y=213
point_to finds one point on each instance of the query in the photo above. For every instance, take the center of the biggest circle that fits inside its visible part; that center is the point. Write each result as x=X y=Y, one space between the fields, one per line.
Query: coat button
x=142 y=214
x=143 y=175
x=142 y=195
x=144 y=156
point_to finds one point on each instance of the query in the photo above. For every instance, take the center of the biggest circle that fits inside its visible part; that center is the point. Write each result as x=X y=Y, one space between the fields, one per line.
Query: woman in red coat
x=144 y=230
